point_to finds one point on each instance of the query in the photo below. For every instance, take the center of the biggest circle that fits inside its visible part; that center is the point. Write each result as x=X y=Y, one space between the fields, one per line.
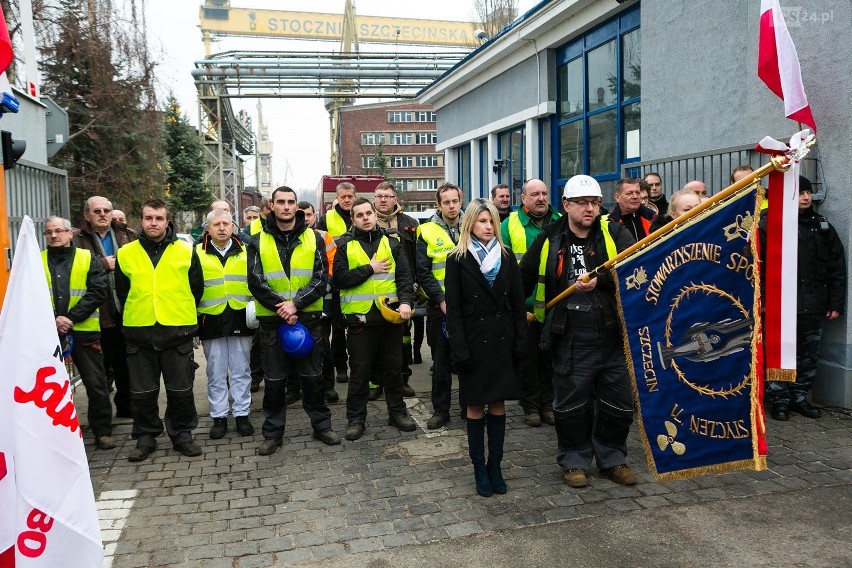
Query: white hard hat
x=582 y=186
x=251 y=316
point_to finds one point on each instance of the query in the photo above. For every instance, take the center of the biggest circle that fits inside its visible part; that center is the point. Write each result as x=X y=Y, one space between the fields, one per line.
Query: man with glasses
x=390 y=217
x=519 y=231
x=102 y=235
x=593 y=397
x=77 y=285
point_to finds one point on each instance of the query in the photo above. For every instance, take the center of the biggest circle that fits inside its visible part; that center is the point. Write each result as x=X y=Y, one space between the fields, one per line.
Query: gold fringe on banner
x=784 y=375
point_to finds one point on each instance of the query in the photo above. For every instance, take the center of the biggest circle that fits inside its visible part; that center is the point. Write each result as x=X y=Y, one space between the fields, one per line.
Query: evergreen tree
x=185 y=187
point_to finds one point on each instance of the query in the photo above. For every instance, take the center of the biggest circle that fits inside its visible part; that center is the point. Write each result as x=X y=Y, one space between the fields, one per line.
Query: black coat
x=487 y=328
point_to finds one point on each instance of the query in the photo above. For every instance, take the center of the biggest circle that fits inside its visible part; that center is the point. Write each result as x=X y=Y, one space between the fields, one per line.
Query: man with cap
x=822 y=283
x=593 y=402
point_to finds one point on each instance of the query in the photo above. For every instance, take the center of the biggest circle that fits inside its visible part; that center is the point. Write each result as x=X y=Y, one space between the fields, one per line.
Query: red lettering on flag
x=67 y=415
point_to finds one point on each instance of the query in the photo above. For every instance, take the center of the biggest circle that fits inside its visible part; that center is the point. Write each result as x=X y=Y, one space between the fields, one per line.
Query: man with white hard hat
x=584 y=335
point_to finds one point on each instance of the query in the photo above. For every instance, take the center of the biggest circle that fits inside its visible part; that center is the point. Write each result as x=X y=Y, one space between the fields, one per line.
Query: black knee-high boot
x=496 y=436
x=476 y=449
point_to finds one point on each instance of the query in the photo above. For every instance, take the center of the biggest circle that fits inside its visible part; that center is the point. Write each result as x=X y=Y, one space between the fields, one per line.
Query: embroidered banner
x=688 y=304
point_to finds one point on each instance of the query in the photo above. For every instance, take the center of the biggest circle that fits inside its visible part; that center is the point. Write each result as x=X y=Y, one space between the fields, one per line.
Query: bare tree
x=495 y=14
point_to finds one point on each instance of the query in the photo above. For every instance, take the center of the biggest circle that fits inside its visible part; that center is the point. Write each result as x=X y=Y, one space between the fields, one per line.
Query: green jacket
x=531 y=230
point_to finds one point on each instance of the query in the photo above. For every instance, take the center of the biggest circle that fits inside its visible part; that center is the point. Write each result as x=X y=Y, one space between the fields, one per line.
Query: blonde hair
x=471 y=214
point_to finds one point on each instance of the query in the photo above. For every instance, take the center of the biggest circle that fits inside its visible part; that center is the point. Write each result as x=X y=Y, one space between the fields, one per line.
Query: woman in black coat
x=487 y=327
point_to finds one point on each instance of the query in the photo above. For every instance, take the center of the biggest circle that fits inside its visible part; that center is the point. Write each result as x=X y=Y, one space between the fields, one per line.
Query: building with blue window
x=621 y=88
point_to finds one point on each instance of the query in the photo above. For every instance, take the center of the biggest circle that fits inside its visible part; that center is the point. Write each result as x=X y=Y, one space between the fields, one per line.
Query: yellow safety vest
x=256 y=226
x=438 y=246
x=518 y=235
x=538 y=308
x=334 y=223
x=223 y=285
x=360 y=299
x=162 y=294
x=76 y=287
x=301 y=269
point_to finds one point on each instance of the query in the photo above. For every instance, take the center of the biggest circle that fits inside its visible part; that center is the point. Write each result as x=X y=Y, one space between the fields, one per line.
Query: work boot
x=188 y=448
x=805 y=409
x=780 y=412
x=105 y=442
x=437 y=420
x=476 y=450
x=328 y=437
x=621 y=474
x=533 y=419
x=342 y=377
x=140 y=453
x=575 y=477
x=269 y=446
x=407 y=391
x=331 y=396
x=355 y=431
x=375 y=391
x=547 y=417
x=402 y=421
x=244 y=426
x=220 y=427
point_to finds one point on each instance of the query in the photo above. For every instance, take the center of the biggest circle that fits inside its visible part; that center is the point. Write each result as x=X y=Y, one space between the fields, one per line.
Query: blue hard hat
x=295 y=340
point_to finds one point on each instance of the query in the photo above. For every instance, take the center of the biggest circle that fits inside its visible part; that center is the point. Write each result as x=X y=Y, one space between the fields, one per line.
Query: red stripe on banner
x=767 y=55
x=7 y=558
x=774 y=270
x=805 y=116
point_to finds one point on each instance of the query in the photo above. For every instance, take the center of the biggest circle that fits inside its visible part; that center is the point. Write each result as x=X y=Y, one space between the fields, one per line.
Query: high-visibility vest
x=162 y=294
x=518 y=235
x=76 y=287
x=256 y=226
x=360 y=299
x=438 y=246
x=540 y=302
x=223 y=285
x=330 y=248
x=301 y=269
x=335 y=223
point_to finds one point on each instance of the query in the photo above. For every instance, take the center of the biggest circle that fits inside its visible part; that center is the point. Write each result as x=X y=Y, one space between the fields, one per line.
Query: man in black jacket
x=77 y=285
x=287 y=276
x=159 y=281
x=822 y=283
x=367 y=266
x=593 y=403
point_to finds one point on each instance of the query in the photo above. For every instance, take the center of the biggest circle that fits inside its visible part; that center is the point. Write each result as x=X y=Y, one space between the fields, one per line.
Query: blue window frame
x=597 y=124
x=483 y=167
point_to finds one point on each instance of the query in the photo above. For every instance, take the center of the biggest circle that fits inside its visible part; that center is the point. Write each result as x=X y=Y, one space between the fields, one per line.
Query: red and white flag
x=782 y=250
x=47 y=505
x=6 y=54
x=778 y=64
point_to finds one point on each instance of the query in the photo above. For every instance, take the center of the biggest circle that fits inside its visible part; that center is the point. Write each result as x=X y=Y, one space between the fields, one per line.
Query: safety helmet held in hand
x=389 y=309
x=251 y=316
x=295 y=340
x=582 y=186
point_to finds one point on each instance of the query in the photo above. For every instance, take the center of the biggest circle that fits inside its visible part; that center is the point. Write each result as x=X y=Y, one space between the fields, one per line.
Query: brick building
x=406 y=133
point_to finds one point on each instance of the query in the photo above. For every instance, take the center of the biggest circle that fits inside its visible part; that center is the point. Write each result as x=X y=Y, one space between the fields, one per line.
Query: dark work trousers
x=90 y=363
x=115 y=358
x=256 y=359
x=406 y=351
x=418 y=323
x=366 y=345
x=338 y=334
x=278 y=366
x=535 y=371
x=442 y=379
x=146 y=364
x=593 y=398
x=327 y=359
x=808 y=338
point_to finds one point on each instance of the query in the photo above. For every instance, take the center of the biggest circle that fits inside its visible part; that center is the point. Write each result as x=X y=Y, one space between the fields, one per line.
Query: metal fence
x=38 y=191
x=714 y=168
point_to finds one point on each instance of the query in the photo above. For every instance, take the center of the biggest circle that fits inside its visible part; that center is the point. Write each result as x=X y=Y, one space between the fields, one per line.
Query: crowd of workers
x=299 y=303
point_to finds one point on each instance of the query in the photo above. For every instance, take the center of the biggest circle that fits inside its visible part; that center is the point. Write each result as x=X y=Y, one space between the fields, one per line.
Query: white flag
x=52 y=520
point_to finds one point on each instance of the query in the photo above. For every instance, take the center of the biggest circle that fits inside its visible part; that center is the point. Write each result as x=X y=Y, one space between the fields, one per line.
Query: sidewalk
x=407 y=499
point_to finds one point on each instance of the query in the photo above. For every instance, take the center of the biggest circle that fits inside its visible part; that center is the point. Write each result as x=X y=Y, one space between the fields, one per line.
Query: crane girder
x=321 y=26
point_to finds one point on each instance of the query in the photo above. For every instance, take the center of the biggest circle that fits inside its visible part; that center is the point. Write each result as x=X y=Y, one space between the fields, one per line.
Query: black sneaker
x=219 y=429
x=342 y=377
x=189 y=448
x=244 y=426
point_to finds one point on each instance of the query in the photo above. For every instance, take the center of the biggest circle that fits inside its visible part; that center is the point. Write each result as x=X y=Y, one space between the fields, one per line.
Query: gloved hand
x=465 y=366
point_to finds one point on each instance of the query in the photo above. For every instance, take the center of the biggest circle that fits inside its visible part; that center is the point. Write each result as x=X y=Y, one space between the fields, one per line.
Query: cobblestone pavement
x=231 y=507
